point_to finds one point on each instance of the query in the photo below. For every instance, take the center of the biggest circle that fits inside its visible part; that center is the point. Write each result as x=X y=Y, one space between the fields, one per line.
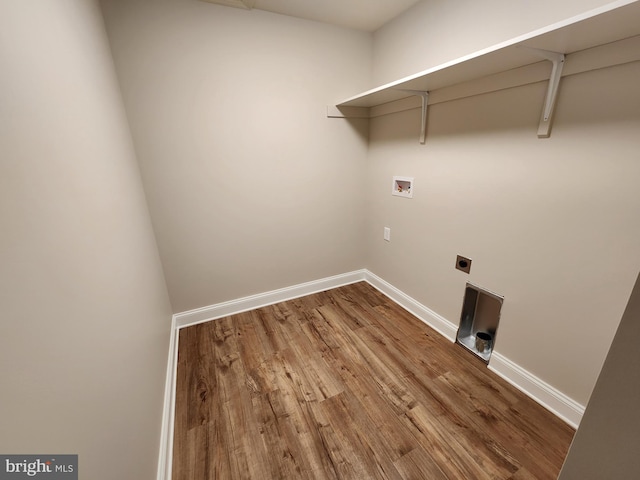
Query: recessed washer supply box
x=402 y=187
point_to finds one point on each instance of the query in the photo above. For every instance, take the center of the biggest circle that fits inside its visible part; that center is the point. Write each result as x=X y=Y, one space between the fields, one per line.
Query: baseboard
x=212 y=312
x=165 y=458
x=549 y=397
x=552 y=399
x=428 y=316
x=252 y=302
x=543 y=393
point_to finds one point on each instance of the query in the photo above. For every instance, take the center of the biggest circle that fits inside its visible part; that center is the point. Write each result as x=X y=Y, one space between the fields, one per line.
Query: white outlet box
x=402 y=187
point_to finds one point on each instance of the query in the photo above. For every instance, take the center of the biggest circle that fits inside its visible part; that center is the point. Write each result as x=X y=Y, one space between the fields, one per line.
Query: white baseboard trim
x=552 y=399
x=212 y=312
x=428 y=316
x=165 y=459
x=252 y=302
x=549 y=397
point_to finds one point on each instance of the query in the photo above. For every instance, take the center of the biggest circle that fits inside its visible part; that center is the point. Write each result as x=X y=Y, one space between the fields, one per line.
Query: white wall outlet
x=387 y=234
x=402 y=187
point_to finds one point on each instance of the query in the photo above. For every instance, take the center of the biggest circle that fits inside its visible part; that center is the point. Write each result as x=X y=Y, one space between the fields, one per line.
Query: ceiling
x=367 y=15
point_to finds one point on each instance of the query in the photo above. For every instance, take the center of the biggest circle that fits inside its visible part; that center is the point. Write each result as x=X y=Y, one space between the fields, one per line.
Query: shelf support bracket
x=557 y=59
x=425 y=108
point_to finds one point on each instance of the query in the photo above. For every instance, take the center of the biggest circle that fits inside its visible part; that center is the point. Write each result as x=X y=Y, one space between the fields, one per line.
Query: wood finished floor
x=345 y=384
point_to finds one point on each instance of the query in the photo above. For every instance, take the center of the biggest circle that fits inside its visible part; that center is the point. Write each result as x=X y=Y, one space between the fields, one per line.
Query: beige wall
x=250 y=186
x=550 y=224
x=607 y=443
x=85 y=313
x=437 y=31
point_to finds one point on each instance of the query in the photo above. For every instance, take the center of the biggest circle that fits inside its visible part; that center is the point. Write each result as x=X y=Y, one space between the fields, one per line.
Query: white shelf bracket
x=557 y=59
x=425 y=107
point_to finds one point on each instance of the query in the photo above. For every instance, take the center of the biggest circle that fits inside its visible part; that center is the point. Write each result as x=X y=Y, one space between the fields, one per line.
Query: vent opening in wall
x=402 y=187
x=479 y=321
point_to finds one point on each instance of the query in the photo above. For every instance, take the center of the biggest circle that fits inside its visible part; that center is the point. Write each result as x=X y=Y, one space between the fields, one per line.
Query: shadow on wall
x=359 y=125
x=591 y=98
x=516 y=109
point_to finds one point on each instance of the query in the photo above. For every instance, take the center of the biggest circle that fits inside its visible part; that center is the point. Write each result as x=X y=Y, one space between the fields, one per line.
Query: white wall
x=550 y=224
x=250 y=186
x=437 y=31
x=85 y=315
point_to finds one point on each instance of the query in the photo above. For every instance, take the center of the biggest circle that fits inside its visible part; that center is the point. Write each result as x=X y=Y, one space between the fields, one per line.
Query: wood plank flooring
x=345 y=384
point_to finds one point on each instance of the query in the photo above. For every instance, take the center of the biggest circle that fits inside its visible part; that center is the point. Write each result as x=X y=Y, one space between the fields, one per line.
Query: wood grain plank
x=418 y=464
x=345 y=384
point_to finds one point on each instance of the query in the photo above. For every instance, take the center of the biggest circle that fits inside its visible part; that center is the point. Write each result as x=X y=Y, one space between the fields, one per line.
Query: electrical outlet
x=387 y=234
